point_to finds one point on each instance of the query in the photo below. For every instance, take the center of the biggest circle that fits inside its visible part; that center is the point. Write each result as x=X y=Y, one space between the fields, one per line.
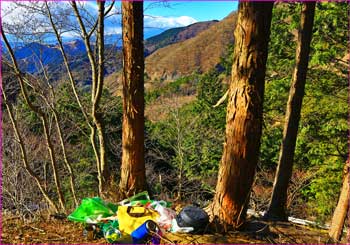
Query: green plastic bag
x=140 y=196
x=142 y=199
x=91 y=209
x=150 y=203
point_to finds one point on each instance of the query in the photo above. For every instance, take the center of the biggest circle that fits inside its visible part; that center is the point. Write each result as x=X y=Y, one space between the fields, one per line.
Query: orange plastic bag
x=131 y=218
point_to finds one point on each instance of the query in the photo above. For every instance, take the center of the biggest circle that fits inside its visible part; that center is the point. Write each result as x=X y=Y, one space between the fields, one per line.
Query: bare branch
x=43 y=117
x=24 y=154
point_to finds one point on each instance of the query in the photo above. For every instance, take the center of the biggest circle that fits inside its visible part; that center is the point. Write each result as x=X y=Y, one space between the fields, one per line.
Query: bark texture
x=133 y=165
x=277 y=207
x=244 y=114
x=342 y=209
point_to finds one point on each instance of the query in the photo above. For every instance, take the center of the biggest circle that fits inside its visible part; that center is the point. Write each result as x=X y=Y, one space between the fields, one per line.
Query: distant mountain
x=30 y=56
x=182 y=51
x=175 y=35
x=76 y=47
x=173 y=53
x=199 y=53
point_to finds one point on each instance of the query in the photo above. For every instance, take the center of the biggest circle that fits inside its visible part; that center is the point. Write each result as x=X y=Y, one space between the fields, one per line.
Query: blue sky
x=199 y=10
x=169 y=14
x=159 y=15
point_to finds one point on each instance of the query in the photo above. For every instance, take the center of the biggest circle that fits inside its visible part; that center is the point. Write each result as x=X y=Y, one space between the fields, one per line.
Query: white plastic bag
x=166 y=215
x=176 y=228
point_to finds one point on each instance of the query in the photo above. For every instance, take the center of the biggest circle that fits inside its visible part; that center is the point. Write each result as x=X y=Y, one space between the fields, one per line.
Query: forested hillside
x=175 y=35
x=198 y=54
x=53 y=128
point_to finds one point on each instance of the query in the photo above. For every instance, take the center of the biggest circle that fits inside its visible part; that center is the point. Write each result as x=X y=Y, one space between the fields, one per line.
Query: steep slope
x=200 y=53
x=114 y=80
x=175 y=35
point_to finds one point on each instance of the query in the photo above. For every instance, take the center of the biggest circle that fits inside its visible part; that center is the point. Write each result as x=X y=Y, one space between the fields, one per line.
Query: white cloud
x=10 y=12
x=20 y=18
x=167 y=22
x=113 y=30
x=70 y=34
x=90 y=5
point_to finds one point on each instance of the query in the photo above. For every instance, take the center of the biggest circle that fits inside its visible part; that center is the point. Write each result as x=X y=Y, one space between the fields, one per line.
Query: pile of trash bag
x=137 y=219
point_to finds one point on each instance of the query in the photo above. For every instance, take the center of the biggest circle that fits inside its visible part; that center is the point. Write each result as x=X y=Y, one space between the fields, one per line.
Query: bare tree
x=133 y=177
x=27 y=167
x=244 y=114
x=36 y=109
x=97 y=72
x=20 y=140
x=277 y=206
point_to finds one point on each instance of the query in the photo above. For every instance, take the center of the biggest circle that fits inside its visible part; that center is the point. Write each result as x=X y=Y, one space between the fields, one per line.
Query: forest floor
x=50 y=231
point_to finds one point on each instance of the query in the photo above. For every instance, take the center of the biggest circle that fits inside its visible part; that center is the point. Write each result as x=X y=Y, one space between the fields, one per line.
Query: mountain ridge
x=175 y=35
x=197 y=54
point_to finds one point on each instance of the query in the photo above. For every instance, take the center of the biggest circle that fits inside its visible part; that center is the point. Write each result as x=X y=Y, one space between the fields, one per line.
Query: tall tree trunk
x=342 y=209
x=277 y=207
x=244 y=114
x=133 y=165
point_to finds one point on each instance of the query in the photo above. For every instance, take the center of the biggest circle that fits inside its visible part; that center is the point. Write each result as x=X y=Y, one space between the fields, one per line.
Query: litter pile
x=137 y=220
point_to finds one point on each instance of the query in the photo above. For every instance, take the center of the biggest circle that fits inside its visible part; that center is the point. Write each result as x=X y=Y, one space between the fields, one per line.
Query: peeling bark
x=244 y=114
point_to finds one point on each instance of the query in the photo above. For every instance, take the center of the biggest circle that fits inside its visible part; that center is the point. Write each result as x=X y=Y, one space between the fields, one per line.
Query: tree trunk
x=41 y=114
x=97 y=74
x=97 y=117
x=53 y=159
x=133 y=177
x=40 y=183
x=342 y=209
x=277 y=207
x=244 y=114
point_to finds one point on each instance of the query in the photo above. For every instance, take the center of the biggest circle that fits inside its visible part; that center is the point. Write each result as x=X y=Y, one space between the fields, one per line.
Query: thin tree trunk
x=104 y=173
x=66 y=63
x=277 y=207
x=52 y=106
x=73 y=85
x=43 y=117
x=133 y=165
x=65 y=158
x=97 y=73
x=341 y=212
x=244 y=114
x=75 y=92
x=52 y=155
x=19 y=139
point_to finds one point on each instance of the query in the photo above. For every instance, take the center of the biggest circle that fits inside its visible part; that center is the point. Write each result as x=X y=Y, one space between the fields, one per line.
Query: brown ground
x=50 y=231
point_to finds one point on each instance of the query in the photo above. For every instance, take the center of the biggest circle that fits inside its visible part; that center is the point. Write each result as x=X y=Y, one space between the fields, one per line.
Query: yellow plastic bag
x=131 y=218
